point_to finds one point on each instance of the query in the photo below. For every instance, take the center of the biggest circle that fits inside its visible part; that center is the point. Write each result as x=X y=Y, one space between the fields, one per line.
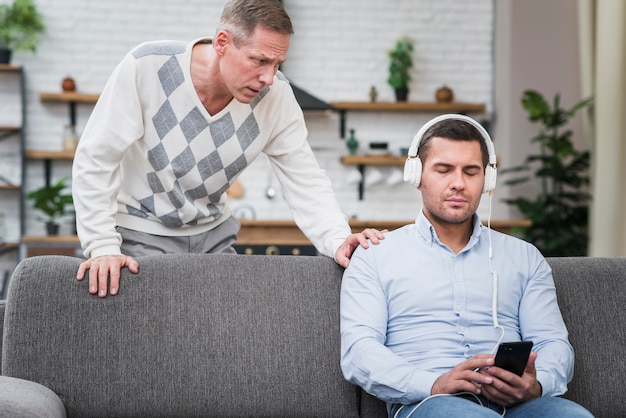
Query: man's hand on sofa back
x=103 y=267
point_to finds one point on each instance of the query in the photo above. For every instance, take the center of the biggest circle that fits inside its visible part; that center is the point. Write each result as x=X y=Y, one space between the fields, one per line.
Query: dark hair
x=241 y=17
x=453 y=129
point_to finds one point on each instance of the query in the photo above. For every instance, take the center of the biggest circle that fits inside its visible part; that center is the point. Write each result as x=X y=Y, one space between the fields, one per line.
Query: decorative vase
x=444 y=95
x=401 y=94
x=352 y=143
x=68 y=84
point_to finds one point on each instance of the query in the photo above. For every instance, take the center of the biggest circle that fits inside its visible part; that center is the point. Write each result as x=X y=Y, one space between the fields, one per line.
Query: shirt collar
x=427 y=231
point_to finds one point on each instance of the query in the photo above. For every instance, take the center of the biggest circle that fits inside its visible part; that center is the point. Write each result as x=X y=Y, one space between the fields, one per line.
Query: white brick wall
x=338 y=52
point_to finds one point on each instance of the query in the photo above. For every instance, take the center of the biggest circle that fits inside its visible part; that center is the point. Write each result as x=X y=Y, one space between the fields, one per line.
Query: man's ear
x=221 y=40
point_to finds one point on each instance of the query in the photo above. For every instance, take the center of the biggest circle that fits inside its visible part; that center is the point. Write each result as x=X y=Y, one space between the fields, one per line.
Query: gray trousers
x=218 y=240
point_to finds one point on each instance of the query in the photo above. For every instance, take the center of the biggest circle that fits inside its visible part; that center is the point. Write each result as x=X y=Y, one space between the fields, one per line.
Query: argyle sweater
x=152 y=159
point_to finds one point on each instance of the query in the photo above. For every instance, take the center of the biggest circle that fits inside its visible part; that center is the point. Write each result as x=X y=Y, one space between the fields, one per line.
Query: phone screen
x=513 y=356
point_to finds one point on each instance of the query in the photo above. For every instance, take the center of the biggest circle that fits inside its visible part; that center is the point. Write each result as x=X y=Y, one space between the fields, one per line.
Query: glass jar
x=70 y=140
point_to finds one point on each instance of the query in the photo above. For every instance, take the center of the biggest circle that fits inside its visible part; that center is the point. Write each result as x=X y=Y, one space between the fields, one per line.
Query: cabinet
x=64 y=245
x=12 y=150
x=422 y=107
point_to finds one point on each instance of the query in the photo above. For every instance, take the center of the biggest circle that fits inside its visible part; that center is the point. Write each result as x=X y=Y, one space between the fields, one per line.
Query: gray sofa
x=232 y=336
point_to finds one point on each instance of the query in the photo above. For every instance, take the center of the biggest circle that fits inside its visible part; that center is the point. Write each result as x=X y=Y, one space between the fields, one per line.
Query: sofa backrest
x=249 y=335
x=190 y=335
x=592 y=297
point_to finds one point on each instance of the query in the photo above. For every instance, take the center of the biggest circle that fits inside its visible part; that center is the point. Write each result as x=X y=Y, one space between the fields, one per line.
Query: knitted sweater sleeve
x=115 y=123
x=308 y=191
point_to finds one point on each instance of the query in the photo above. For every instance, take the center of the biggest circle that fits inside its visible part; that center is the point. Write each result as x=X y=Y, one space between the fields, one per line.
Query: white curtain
x=602 y=26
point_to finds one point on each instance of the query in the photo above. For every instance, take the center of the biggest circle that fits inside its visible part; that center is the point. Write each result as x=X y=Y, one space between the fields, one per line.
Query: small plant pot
x=5 y=56
x=402 y=94
x=52 y=228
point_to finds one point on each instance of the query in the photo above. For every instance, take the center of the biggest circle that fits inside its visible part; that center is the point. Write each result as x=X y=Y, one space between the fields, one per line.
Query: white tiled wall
x=337 y=53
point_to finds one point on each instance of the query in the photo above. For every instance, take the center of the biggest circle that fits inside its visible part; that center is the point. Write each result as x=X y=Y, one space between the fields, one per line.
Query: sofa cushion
x=25 y=399
x=190 y=335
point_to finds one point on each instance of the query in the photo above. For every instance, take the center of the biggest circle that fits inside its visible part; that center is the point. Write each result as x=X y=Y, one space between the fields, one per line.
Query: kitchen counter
x=285 y=232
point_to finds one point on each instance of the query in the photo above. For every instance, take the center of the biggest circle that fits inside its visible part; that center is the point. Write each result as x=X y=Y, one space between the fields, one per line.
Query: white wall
x=536 y=43
x=338 y=52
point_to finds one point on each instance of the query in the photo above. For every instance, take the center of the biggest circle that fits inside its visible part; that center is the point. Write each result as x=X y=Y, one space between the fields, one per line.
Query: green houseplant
x=559 y=213
x=400 y=63
x=53 y=202
x=21 y=26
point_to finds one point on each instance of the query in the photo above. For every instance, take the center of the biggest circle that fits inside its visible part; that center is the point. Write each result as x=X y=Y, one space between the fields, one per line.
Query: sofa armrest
x=21 y=398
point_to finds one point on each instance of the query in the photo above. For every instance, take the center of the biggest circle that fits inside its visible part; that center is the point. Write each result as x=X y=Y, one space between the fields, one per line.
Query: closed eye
x=473 y=171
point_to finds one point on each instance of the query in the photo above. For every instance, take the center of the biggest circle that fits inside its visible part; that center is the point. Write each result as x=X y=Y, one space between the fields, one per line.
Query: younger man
x=423 y=312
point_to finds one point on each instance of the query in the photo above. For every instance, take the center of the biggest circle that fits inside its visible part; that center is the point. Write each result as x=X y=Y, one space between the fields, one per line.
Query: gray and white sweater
x=152 y=159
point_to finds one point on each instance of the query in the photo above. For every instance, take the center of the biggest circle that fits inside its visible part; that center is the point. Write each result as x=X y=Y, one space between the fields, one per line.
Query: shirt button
x=462 y=329
x=459 y=307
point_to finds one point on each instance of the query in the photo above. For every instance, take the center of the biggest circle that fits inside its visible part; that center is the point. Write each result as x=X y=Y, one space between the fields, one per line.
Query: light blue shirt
x=412 y=310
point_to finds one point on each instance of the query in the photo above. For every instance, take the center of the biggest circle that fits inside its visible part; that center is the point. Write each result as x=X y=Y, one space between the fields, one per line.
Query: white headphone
x=413 y=165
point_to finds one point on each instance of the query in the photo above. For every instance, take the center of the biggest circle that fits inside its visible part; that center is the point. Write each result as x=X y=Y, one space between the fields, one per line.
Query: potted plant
x=559 y=213
x=53 y=202
x=20 y=28
x=400 y=64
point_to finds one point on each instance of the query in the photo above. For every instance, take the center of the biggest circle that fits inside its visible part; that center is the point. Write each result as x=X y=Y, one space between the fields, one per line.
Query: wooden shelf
x=8 y=131
x=49 y=155
x=451 y=107
x=35 y=245
x=69 y=97
x=50 y=239
x=10 y=68
x=285 y=232
x=6 y=247
x=9 y=187
x=373 y=160
x=454 y=107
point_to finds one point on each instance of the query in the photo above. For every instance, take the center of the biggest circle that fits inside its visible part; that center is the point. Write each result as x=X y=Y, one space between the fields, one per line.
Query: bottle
x=352 y=143
x=70 y=140
x=373 y=94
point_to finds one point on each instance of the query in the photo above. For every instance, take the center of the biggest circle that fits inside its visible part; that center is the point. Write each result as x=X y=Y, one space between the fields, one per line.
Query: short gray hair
x=241 y=17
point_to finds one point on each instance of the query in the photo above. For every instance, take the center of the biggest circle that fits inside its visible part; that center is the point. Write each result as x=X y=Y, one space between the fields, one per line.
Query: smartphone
x=513 y=356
